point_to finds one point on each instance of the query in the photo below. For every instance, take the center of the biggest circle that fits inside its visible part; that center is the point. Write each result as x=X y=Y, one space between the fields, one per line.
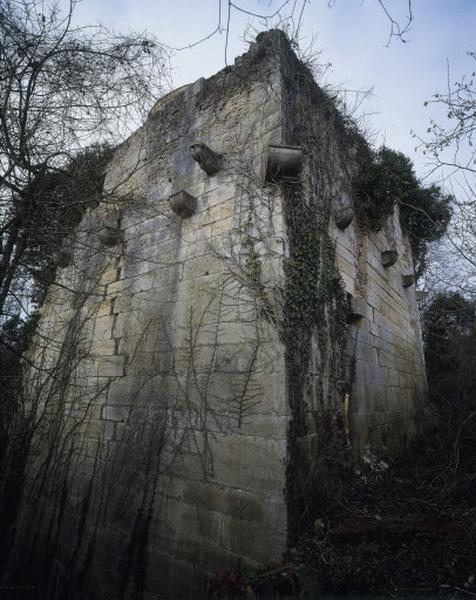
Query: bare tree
x=289 y=16
x=449 y=144
x=62 y=87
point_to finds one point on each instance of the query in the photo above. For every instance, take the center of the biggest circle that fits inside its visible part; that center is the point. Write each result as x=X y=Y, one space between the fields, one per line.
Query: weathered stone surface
x=183 y=204
x=359 y=309
x=110 y=236
x=283 y=162
x=176 y=410
x=209 y=161
x=64 y=257
x=343 y=217
x=116 y=413
x=389 y=258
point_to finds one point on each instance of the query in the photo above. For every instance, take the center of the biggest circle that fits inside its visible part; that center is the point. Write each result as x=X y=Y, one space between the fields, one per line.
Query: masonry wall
x=388 y=403
x=170 y=441
x=192 y=361
x=353 y=350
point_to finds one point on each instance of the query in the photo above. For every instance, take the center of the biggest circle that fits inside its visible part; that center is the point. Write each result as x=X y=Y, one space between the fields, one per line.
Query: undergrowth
x=381 y=527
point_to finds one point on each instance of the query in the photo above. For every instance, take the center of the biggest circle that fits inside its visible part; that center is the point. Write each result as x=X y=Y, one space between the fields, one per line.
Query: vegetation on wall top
x=387 y=178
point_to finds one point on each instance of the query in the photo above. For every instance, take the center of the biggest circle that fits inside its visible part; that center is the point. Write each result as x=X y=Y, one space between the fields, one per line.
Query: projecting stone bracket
x=343 y=217
x=283 y=162
x=64 y=257
x=183 y=204
x=110 y=236
x=208 y=160
x=359 y=309
x=389 y=258
x=408 y=279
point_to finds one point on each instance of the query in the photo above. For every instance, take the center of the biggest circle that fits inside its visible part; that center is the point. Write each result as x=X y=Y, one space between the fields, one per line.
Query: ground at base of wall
x=404 y=527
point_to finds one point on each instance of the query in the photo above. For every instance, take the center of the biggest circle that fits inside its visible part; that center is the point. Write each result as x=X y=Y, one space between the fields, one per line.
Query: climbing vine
x=311 y=275
x=316 y=306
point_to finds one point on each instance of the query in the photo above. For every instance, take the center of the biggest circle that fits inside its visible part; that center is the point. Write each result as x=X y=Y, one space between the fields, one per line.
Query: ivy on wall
x=311 y=275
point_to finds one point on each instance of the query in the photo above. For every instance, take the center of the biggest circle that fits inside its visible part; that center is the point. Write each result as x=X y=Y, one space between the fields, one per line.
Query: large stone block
x=103 y=328
x=116 y=413
x=247 y=463
x=111 y=366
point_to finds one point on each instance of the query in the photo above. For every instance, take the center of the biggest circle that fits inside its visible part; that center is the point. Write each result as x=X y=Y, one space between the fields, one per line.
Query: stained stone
x=389 y=258
x=208 y=160
x=343 y=217
x=284 y=162
x=183 y=204
x=359 y=309
x=64 y=258
x=110 y=236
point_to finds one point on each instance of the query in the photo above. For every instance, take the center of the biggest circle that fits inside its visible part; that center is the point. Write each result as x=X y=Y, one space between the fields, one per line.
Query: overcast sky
x=353 y=35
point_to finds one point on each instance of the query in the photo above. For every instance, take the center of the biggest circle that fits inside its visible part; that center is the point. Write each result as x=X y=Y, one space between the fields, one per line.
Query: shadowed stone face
x=209 y=161
x=389 y=258
x=183 y=204
x=343 y=217
x=64 y=258
x=284 y=162
x=110 y=236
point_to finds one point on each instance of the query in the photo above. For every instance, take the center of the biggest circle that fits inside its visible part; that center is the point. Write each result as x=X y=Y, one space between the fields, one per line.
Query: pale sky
x=353 y=35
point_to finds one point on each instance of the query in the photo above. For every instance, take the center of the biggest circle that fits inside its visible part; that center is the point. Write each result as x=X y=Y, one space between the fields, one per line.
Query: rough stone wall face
x=388 y=403
x=195 y=355
x=352 y=319
x=169 y=453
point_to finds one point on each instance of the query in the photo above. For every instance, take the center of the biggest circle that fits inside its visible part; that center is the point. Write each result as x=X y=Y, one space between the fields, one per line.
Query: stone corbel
x=343 y=217
x=283 y=162
x=408 y=279
x=64 y=257
x=110 y=236
x=359 y=309
x=208 y=160
x=183 y=204
x=389 y=258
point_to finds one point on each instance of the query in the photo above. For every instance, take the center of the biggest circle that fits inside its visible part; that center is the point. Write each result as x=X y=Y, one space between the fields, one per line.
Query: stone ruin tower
x=218 y=318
